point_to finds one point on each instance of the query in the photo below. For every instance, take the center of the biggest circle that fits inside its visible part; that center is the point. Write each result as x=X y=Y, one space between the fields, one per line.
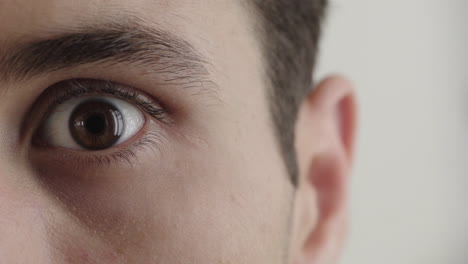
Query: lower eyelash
x=151 y=141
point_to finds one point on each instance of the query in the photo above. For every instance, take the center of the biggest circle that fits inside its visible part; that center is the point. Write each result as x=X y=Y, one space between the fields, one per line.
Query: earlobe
x=324 y=142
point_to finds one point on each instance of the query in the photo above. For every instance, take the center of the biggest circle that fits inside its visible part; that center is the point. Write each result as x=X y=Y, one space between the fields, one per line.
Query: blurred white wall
x=409 y=62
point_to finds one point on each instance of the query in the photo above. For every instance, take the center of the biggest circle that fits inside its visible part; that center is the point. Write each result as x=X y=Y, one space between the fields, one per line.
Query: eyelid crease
x=65 y=90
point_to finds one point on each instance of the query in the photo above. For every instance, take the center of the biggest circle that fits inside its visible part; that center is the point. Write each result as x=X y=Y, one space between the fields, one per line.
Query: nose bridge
x=13 y=152
x=18 y=189
x=10 y=148
x=17 y=186
x=12 y=165
x=22 y=218
x=21 y=200
x=9 y=169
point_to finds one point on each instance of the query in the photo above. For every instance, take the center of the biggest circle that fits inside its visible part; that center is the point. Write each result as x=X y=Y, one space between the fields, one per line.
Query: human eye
x=93 y=121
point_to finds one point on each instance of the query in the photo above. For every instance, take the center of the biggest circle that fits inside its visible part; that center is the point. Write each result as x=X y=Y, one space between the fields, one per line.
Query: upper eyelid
x=65 y=90
x=72 y=88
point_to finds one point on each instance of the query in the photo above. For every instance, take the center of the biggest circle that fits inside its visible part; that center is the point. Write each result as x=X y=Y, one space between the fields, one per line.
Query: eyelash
x=151 y=141
x=69 y=89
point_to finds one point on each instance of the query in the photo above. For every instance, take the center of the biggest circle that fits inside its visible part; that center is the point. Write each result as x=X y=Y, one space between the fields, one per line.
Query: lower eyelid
x=149 y=140
x=62 y=113
x=146 y=145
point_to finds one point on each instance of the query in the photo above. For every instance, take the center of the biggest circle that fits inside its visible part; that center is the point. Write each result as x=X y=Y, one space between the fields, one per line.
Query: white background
x=409 y=62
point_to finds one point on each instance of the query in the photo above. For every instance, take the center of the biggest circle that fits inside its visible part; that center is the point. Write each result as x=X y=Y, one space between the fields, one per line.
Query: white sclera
x=56 y=128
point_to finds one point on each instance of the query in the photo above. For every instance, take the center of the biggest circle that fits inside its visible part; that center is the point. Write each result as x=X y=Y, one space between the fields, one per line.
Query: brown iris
x=96 y=125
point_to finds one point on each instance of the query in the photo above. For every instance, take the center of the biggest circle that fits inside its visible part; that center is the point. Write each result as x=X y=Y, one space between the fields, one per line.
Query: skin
x=215 y=190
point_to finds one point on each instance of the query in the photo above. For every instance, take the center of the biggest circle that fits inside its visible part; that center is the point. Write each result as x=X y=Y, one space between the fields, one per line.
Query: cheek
x=222 y=204
x=198 y=204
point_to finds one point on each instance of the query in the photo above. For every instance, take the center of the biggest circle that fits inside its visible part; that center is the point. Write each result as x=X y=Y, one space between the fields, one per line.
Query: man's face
x=203 y=184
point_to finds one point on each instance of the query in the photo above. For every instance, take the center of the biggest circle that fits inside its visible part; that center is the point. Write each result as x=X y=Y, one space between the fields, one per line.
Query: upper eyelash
x=66 y=90
x=73 y=88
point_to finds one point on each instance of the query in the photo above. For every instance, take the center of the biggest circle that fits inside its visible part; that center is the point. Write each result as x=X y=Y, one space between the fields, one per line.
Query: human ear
x=325 y=132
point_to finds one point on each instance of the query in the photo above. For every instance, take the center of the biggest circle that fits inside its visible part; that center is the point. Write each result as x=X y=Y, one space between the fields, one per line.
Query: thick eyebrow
x=133 y=43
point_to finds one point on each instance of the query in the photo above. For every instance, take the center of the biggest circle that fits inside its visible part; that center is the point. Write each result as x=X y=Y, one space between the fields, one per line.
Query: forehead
x=219 y=30
x=19 y=17
x=207 y=24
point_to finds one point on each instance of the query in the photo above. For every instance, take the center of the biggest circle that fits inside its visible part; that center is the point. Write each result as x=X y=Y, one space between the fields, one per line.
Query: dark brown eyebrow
x=132 y=43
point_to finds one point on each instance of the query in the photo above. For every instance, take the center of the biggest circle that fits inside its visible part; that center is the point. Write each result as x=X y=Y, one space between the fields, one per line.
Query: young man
x=154 y=131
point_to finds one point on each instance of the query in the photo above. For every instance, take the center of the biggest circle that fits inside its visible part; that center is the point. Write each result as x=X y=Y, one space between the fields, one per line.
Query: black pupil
x=96 y=124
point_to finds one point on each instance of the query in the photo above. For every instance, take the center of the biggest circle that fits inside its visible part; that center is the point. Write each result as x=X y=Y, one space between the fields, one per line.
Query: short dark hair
x=290 y=31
